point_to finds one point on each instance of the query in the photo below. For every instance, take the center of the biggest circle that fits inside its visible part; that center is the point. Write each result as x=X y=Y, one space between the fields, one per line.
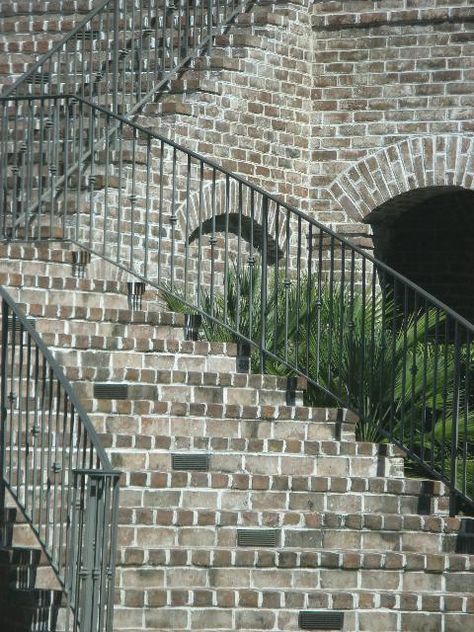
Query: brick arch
x=190 y=216
x=422 y=162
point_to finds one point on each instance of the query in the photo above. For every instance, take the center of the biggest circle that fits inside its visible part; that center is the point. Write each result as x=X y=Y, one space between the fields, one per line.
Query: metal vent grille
x=258 y=537
x=18 y=324
x=321 y=620
x=111 y=391
x=196 y=462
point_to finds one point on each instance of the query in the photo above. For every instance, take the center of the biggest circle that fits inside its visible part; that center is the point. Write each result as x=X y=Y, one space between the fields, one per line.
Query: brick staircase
x=241 y=508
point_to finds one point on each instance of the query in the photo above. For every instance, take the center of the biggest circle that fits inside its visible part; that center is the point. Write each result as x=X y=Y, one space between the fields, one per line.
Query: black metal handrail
x=57 y=472
x=306 y=300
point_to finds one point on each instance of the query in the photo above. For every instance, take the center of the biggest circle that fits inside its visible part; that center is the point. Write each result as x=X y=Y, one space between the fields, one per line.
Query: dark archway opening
x=428 y=236
x=250 y=231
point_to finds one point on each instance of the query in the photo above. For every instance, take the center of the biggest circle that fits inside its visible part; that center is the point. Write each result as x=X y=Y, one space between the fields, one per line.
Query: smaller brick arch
x=421 y=162
x=213 y=201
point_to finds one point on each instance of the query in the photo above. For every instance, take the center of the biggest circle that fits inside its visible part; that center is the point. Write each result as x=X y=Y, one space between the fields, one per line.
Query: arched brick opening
x=418 y=198
x=421 y=162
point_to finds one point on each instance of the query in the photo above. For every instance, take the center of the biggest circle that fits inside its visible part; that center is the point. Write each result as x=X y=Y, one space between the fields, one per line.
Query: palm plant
x=357 y=347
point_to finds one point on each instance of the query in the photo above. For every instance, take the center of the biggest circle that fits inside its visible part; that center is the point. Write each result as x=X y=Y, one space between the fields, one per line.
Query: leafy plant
x=357 y=348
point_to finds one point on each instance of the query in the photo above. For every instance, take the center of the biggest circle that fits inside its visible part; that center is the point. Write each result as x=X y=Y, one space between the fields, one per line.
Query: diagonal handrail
x=305 y=299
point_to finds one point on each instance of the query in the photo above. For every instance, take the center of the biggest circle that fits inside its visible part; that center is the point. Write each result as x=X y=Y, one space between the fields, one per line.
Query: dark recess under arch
x=251 y=231
x=428 y=236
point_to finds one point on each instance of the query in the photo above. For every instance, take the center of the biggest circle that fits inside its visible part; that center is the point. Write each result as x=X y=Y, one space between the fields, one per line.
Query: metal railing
x=125 y=51
x=54 y=467
x=307 y=301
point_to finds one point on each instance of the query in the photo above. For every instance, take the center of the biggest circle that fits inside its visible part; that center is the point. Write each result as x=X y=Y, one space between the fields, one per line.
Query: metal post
x=3 y=400
x=209 y=27
x=455 y=421
x=87 y=585
x=115 y=57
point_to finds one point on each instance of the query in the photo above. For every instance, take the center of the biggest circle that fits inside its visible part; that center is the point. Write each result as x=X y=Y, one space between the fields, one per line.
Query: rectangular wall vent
x=195 y=462
x=321 y=620
x=18 y=324
x=258 y=537
x=111 y=391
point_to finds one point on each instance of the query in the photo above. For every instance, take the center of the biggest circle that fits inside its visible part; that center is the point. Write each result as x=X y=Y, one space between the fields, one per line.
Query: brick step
x=189 y=393
x=112 y=315
x=39 y=156
x=70 y=283
x=217 y=62
x=36 y=604
x=283 y=446
x=250 y=578
x=274 y=464
x=47 y=251
x=39 y=267
x=294 y=538
x=70 y=290
x=219 y=378
x=201 y=409
x=283 y=422
x=52 y=230
x=163 y=338
x=367 y=610
x=263 y=17
x=276 y=558
x=240 y=39
x=155 y=364
x=260 y=492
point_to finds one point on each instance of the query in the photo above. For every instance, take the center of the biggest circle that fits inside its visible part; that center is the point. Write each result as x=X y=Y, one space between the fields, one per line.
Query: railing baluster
x=3 y=401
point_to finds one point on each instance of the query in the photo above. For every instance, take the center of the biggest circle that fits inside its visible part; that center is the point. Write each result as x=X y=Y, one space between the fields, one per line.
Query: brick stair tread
x=310 y=580
x=299 y=519
x=39 y=282
x=200 y=409
x=47 y=251
x=145 y=343
x=112 y=425
x=103 y=314
x=313 y=558
x=213 y=379
x=168 y=347
x=252 y=467
x=200 y=602
x=36 y=7
x=283 y=447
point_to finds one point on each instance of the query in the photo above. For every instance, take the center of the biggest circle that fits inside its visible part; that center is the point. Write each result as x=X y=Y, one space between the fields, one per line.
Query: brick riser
x=353 y=534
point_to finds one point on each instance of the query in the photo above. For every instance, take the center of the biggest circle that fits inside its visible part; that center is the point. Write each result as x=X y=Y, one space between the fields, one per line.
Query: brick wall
x=393 y=98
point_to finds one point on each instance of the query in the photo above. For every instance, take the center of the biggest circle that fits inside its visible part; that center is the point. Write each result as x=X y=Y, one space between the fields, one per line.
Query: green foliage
x=356 y=347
